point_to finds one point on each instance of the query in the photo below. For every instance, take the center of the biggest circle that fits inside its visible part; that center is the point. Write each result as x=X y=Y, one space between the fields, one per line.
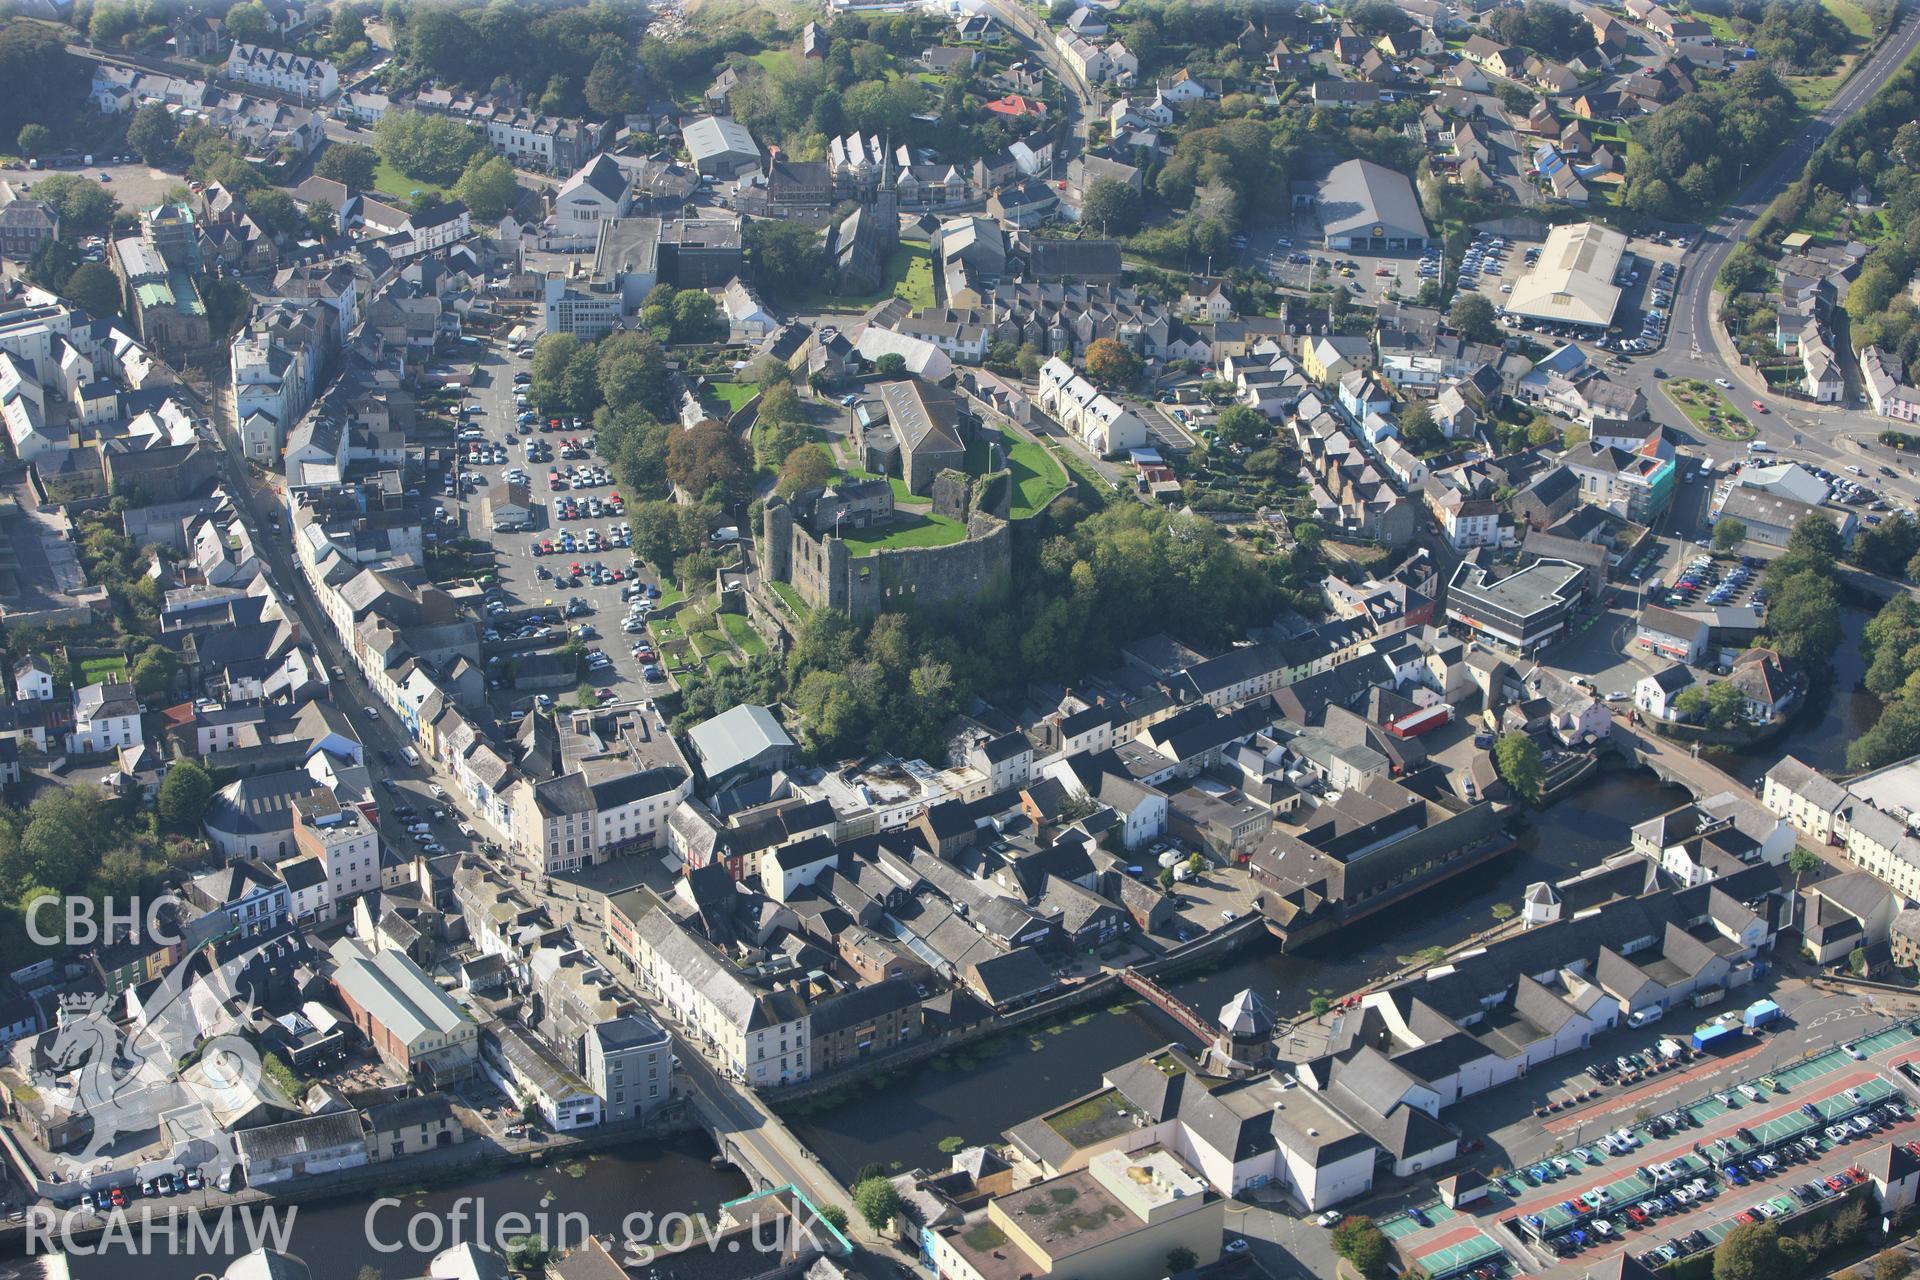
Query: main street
x=738 y=1114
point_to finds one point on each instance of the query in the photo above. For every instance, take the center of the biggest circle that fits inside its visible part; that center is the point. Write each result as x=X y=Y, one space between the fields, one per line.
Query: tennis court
x=1458 y=1257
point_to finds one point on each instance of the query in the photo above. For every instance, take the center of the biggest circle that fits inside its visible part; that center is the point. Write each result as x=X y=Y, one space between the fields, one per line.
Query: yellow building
x=1117 y=1219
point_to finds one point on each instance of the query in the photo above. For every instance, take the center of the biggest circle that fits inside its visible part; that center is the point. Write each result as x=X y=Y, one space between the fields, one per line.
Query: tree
x=1239 y=424
x=1418 y=431
x=1361 y=1243
x=834 y=1216
x=1028 y=362
x=877 y=1200
x=1110 y=364
x=1113 y=206
x=486 y=186
x=696 y=316
x=1181 y=1259
x=890 y=365
x=349 y=164
x=1728 y=533
x=1691 y=704
x=1320 y=1006
x=154 y=671
x=33 y=139
x=1891 y=1265
x=1757 y=1251
x=1725 y=704
x=275 y=210
x=426 y=147
x=1800 y=862
x=1804 y=615
x=805 y=468
x=93 y=287
x=247 y=22
x=151 y=132
x=1517 y=757
x=80 y=204
x=785 y=255
x=612 y=89
x=183 y=797
x=705 y=460
x=1472 y=318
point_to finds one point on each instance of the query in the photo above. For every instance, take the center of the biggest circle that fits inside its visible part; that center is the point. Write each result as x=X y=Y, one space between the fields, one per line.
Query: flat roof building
x=1522 y=610
x=1573 y=281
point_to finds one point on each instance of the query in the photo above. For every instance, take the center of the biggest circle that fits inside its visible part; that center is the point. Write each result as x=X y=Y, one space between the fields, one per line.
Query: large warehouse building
x=1573 y=281
x=1369 y=208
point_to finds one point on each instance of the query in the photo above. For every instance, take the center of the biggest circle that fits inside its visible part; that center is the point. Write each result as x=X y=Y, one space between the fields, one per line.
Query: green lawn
x=909 y=275
x=1708 y=408
x=909 y=529
x=917 y=286
x=1036 y=476
x=734 y=394
x=772 y=59
x=390 y=181
x=741 y=632
x=791 y=598
x=94 y=670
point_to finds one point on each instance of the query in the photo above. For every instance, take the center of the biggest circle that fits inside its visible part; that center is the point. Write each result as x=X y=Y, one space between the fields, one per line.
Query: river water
x=339 y=1238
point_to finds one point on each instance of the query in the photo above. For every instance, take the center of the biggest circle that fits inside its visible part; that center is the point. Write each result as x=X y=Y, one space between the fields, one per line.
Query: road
x=1034 y=34
x=1692 y=310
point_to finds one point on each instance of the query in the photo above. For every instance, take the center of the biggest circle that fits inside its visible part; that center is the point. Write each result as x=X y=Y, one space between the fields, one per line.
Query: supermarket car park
x=1660 y=1149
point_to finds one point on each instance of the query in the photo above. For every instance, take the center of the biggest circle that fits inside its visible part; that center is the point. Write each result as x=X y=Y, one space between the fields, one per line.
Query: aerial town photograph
x=959 y=639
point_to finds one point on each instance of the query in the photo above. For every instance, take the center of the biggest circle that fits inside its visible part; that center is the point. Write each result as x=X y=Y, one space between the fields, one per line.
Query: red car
x=1758 y=407
x=119 y=1198
x=1744 y=1216
x=1639 y=1216
x=1838 y=1182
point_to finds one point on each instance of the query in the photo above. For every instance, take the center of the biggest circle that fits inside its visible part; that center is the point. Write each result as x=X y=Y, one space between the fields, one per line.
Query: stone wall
x=828 y=575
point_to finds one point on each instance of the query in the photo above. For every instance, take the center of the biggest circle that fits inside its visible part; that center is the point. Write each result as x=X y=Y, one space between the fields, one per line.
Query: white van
x=1641 y=1017
x=1759 y=446
x=412 y=756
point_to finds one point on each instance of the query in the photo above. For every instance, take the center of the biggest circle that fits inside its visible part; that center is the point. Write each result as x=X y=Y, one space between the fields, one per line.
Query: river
x=338 y=1239
x=972 y=1095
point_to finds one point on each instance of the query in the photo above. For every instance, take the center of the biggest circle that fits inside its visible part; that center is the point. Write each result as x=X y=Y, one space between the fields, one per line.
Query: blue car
x=1419 y=1217
x=1734 y=1175
x=1578 y=1237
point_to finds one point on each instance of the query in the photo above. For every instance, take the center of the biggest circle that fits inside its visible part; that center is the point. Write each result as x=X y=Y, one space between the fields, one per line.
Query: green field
x=733 y=394
x=1856 y=19
x=741 y=632
x=94 y=670
x=771 y=59
x=1036 y=476
x=908 y=529
x=390 y=181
